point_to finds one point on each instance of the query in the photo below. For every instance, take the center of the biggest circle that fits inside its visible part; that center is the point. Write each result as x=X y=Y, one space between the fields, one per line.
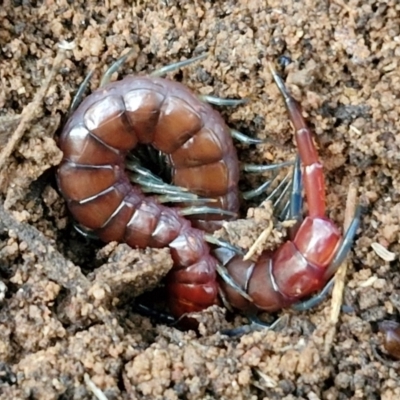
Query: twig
x=340 y=277
x=31 y=110
x=93 y=388
x=56 y=267
x=259 y=241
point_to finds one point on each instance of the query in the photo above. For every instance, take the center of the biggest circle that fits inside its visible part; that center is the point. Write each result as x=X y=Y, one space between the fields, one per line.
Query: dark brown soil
x=68 y=330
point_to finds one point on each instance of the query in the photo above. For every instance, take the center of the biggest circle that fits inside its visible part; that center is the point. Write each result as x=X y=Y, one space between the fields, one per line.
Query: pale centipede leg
x=249 y=194
x=85 y=232
x=166 y=193
x=81 y=90
x=196 y=210
x=282 y=190
x=264 y=186
x=224 y=245
x=175 y=66
x=256 y=325
x=264 y=168
x=104 y=80
x=284 y=214
x=241 y=137
x=114 y=68
x=219 y=101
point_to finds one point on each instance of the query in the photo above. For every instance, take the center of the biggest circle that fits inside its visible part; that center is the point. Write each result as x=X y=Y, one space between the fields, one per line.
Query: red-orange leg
x=299 y=265
x=313 y=176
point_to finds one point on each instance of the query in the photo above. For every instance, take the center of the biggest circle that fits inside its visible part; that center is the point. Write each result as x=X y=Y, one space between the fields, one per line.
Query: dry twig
x=340 y=277
x=30 y=111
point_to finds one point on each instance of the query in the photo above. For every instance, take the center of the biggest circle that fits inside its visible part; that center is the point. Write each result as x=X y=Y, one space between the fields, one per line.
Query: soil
x=68 y=327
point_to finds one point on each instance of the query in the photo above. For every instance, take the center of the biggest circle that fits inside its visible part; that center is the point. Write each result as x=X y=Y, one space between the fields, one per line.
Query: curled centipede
x=197 y=146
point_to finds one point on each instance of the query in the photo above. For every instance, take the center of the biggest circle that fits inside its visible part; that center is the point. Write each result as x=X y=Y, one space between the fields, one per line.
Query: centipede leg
x=159 y=72
x=219 y=101
x=158 y=316
x=79 y=94
x=345 y=245
x=175 y=66
x=281 y=190
x=277 y=195
x=264 y=186
x=151 y=183
x=223 y=245
x=241 y=137
x=264 y=168
x=196 y=210
x=250 y=194
x=85 y=232
x=256 y=325
x=315 y=300
x=114 y=68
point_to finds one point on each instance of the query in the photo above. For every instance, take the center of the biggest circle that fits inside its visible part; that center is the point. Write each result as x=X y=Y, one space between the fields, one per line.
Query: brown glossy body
x=95 y=141
x=391 y=341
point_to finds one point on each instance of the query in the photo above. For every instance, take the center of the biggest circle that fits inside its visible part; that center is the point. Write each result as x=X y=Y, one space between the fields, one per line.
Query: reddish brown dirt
x=67 y=327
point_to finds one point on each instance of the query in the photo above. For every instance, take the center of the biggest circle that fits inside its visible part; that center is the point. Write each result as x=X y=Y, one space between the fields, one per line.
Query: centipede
x=197 y=146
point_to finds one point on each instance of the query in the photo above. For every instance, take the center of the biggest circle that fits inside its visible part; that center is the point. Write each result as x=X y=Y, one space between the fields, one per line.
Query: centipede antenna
x=296 y=199
x=222 y=243
x=218 y=101
x=345 y=244
x=249 y=194
x=196 y=210
x=264 y=168
x=315 y=300
x=224 y=274
x=241 y=137
x=78 y=96
x=114 y=68
x=175 y=66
